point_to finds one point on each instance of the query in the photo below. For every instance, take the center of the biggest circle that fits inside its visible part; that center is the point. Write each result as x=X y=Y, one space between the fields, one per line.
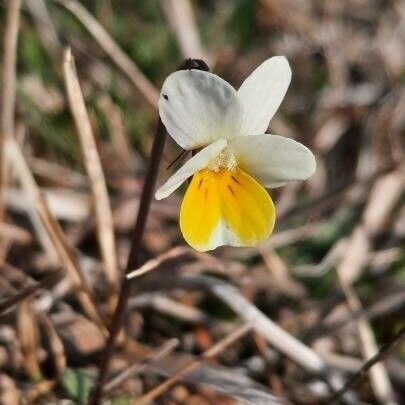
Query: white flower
x=226 y=203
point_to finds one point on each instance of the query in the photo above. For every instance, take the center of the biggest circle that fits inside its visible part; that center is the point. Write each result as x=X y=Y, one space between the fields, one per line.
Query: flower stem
x=136 y=245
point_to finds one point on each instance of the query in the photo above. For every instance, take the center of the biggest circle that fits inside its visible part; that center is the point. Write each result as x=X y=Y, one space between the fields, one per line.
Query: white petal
x=198 y=108
x=262 y=93
x=273 y=160
x=193 y=165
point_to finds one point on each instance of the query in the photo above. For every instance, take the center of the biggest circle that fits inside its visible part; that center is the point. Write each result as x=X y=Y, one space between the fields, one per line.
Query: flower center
x=225 y=160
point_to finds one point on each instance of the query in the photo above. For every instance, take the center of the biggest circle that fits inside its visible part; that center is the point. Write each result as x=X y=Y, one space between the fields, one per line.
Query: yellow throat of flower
x=225 y=160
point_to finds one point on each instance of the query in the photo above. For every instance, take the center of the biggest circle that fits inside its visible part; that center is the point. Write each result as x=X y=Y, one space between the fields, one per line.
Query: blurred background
x=333 y=273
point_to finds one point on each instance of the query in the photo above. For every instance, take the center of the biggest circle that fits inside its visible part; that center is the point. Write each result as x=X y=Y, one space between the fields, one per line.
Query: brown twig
x=157 y=261
x=134 y=254
x=208 y=354
x=94 y=170
x=46 y=283
x=145 y=87
x=383 y=352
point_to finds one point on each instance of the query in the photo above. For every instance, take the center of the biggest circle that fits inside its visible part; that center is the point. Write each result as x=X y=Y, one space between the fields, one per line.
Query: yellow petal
x=225 y=208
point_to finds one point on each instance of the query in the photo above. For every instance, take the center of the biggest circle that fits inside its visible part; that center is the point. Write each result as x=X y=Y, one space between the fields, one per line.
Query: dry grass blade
x=273 y=333
x=383 y=197
x=113 y=50
x=8 y=95
x=57 y=350
x=210 y=353
x=378 y=374
x=46 y=283
x=269 y=330
x=46 y=29
x=94 y=171
x=181 y=19
x=65 y=205
x=175 y=253
x=27 y=181
x=157 y=261
x=68 y=260
x=379 y=356
x=15 y=233
x=58 y=247
x=9 y=394
x=116 y=128
x=165 y=349
x=28 y=336
x=9 y=68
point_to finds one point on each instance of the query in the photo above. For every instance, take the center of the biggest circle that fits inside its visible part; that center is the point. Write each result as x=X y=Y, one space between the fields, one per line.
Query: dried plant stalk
x=8 y=96
x=94 y=170
x=56 y=344
x=28 y=336
x=61 y=250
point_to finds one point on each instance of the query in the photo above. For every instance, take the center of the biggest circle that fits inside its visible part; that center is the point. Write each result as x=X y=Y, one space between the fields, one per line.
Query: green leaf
x=77 y=384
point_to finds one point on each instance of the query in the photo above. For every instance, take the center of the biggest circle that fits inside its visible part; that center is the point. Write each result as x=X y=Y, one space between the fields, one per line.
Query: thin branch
x=94 y=170
x=145 y=87
x=382 y=353
x=152 y=264
x=46 y=283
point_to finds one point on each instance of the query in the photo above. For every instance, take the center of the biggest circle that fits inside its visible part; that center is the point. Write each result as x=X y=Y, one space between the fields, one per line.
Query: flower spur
x=226 y=202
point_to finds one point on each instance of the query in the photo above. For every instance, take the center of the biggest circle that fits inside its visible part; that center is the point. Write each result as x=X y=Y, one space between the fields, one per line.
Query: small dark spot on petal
x=165 y=96
x=235 y=179
x=200 y=182
x=230 y=189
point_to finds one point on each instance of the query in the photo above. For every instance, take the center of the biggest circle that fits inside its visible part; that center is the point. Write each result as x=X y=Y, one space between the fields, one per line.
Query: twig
x=8 y=94
x=209 y=354
x=157 y=261
x=136 y=245
x=46 y=283
x=383 y=352
x=162 y=351
x=113 y=50
x=94 y=170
